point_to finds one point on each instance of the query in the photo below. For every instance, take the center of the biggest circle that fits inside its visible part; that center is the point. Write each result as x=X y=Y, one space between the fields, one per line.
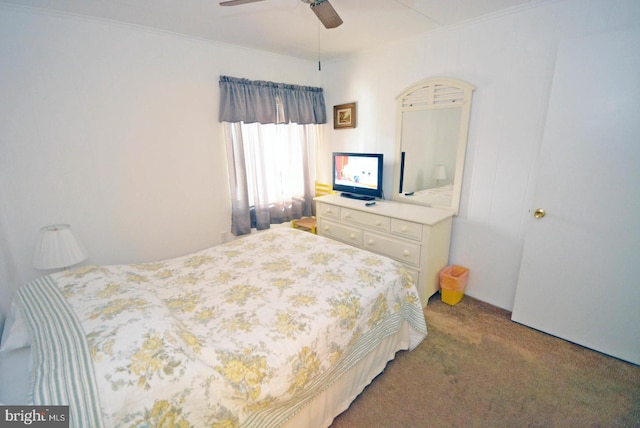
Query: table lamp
x=57 y=247
x=439 y=173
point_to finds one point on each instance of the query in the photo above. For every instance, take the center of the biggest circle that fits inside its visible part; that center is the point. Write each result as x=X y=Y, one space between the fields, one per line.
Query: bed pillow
x=15 y=334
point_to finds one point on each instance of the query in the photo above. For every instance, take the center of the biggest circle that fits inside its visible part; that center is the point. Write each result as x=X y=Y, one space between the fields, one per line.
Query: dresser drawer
x=370 y=220
x=406 y=229
x=406 y=252
x=340 y=232
x=328 y=211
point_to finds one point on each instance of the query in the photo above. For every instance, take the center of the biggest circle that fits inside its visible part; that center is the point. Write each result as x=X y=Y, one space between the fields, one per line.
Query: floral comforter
x=241 y=334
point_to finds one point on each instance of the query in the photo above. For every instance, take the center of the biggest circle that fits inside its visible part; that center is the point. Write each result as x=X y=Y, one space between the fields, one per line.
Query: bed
x=437 y=196
x=280 y=328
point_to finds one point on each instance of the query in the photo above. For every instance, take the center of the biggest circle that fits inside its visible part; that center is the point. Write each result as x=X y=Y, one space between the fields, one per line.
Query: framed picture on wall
x=344 y=116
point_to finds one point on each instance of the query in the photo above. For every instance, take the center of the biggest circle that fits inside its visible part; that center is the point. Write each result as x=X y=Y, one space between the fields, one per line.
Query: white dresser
x=417 y=236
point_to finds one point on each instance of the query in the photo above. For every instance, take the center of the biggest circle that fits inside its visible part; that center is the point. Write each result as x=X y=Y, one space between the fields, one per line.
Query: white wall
x=114 y=129
x=510 y=58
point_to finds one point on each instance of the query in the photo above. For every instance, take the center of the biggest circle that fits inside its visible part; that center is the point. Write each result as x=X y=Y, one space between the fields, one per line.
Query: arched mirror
x=431 y=140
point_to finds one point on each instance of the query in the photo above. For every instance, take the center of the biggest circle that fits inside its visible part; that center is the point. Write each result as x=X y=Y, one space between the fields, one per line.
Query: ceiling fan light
x=326 y=13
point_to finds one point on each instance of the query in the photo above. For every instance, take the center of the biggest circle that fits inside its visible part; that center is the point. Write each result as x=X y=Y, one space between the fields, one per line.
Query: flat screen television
x=358 y=175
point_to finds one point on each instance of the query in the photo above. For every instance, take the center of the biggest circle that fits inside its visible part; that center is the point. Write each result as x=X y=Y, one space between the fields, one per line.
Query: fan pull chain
x=319 y=64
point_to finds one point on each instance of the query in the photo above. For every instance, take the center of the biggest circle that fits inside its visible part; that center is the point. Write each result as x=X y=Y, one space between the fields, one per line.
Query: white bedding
x=437 y=196
x=249 y=333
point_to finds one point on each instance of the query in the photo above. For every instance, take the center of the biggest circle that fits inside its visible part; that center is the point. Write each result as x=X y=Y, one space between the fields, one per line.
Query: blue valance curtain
x=251 y=101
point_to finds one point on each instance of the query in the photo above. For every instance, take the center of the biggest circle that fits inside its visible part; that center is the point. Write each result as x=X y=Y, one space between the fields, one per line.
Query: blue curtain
x=250 y=110
x=251 y=101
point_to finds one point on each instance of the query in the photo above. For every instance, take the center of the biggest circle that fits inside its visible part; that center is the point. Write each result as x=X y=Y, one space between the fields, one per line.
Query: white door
x=580 y=272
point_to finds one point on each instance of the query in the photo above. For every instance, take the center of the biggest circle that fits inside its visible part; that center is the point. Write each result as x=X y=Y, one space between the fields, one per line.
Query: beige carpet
x=477 y=368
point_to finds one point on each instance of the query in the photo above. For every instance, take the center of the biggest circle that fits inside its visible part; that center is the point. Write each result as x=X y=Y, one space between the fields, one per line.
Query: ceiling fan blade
x=325 y=13
x=237 y=2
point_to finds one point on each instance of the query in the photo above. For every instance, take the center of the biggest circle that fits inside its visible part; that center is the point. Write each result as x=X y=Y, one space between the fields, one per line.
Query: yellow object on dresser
x=309 y=223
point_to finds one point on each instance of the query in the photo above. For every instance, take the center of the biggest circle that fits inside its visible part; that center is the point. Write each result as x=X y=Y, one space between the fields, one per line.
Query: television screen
x=358 y=175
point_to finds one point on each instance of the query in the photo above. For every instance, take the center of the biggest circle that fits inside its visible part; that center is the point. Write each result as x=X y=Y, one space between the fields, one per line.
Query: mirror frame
x=429 y=94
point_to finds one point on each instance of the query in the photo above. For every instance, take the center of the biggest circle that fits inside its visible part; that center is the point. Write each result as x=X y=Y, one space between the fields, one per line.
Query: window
x=271 y=132
x=273 y=167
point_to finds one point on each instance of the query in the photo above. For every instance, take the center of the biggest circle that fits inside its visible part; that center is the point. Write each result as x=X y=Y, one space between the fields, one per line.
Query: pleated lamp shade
x=439 y=172
x=57 y=247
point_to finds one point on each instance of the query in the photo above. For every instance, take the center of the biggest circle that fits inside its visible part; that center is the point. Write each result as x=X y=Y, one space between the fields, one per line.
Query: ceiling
x=285 y=26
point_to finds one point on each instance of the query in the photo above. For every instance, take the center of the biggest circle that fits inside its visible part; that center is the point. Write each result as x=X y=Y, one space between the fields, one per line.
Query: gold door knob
x=539 y=213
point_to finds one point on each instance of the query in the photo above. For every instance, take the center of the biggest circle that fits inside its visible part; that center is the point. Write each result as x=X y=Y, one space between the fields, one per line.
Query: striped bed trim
x=62 y=368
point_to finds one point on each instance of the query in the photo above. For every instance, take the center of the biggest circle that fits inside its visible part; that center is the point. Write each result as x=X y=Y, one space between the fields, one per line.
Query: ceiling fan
x=322 y=8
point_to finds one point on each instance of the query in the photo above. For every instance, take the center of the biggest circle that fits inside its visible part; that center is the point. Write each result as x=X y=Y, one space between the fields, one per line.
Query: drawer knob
x=352 y=236
x=404 y=229
x=378 y=223
x=328 y=211
x=370 y=242
x=347 y=215
x=326 y=228
x=406 y=252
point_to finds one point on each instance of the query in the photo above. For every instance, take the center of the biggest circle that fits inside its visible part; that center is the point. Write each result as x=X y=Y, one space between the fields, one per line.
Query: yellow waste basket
x=453 y=281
